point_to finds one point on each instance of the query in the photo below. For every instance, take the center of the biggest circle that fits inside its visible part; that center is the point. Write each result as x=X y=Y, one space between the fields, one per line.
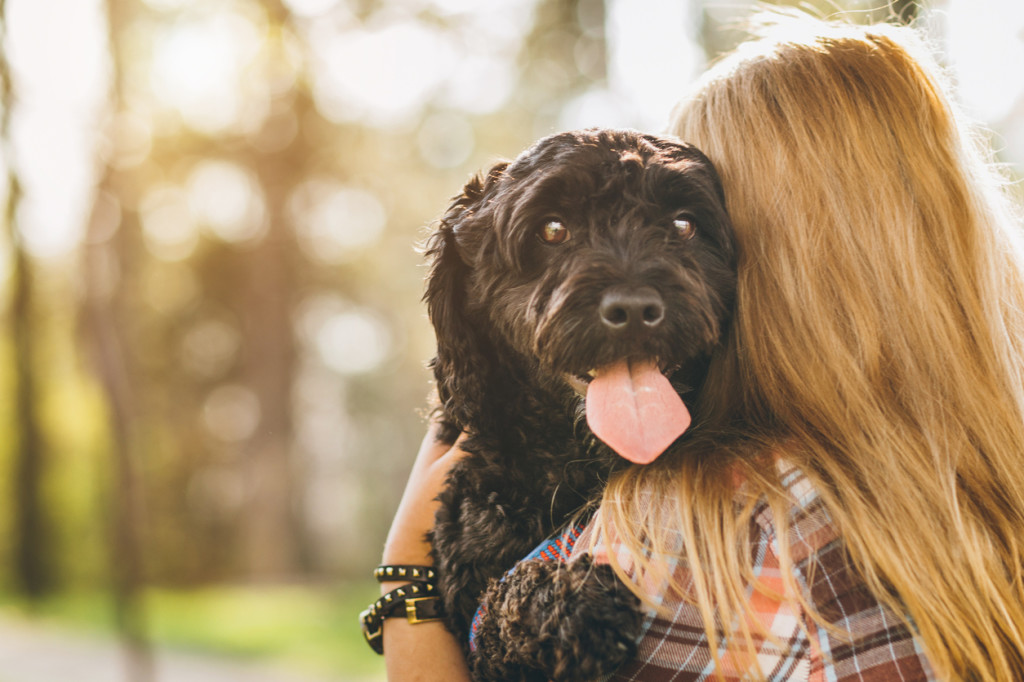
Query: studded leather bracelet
x=417 y=602
x=418 y=574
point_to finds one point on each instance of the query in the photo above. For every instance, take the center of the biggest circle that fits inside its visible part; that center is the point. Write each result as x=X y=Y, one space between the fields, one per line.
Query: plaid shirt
x=877 y=648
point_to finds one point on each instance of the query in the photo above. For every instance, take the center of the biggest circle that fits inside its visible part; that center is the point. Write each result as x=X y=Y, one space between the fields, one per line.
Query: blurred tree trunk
x=272 y=532
x=269 y=535
x=100 y=326
x=102 y=263
x=31 y=532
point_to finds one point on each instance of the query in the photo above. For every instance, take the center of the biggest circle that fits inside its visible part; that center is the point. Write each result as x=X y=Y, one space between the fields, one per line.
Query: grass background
x=312 y=629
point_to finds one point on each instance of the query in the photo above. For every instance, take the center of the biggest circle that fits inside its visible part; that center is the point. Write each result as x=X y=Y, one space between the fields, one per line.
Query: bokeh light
x=201 y=66
x=356 y=341
x=481 y=84
x=654 y=55
x=226 y=199
x=445 y=140
x=335 y=223
x=209 y=348
x=381 y=75
x=61 y=73
x=348 y=339
x=980 y=52
x=170 y=232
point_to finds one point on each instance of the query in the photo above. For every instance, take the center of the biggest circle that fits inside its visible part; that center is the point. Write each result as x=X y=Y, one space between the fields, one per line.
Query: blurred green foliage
x=306 y=628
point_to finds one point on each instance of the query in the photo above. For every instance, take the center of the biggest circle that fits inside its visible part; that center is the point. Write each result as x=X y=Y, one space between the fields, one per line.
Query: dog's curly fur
x=518 y=324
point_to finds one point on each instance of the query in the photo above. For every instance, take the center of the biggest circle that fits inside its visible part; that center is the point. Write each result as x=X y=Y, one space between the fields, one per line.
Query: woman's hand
x=423 y=652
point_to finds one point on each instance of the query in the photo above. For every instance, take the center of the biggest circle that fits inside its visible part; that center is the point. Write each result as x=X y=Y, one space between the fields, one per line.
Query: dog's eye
x=685 y=225
x=554 y=232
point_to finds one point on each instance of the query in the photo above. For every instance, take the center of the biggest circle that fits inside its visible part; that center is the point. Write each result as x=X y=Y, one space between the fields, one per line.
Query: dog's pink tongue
x=633 y=408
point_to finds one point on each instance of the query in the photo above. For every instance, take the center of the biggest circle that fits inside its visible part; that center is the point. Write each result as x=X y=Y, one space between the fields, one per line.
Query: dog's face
x=591 y=248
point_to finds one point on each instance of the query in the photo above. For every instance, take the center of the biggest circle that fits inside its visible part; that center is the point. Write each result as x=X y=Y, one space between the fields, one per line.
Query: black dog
x=596 y=262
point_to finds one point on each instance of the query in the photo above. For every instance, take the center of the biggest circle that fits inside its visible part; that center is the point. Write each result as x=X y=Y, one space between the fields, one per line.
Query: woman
x=863 y=517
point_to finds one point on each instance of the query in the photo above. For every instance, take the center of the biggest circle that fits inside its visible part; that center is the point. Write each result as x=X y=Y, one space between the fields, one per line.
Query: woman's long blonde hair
x=878 y=344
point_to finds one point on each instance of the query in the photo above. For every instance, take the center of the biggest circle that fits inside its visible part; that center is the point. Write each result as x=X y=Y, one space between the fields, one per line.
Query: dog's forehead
x=606 y=148
x=581 y=164
x=586 y=172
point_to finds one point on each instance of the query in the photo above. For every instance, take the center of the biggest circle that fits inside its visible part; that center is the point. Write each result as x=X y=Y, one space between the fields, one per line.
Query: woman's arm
x=425 y=651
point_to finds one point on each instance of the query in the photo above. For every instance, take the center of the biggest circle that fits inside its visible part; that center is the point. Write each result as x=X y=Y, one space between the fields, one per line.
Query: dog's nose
x=624 y=308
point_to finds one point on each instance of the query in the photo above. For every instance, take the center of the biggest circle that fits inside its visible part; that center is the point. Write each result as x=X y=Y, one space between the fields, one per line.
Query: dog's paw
x=552 y=621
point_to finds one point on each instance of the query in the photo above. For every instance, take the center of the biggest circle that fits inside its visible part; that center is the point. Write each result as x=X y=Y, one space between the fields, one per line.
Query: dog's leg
x=481 y=531
x=495 y=508
x=548 y=620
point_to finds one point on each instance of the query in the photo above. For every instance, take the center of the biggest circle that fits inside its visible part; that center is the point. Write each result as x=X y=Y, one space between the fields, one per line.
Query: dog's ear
x=465 y=356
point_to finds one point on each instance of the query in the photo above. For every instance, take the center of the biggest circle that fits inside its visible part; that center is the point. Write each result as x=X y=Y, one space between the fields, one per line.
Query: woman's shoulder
x=808 y=528
x=833 y=628
x=852 y=634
